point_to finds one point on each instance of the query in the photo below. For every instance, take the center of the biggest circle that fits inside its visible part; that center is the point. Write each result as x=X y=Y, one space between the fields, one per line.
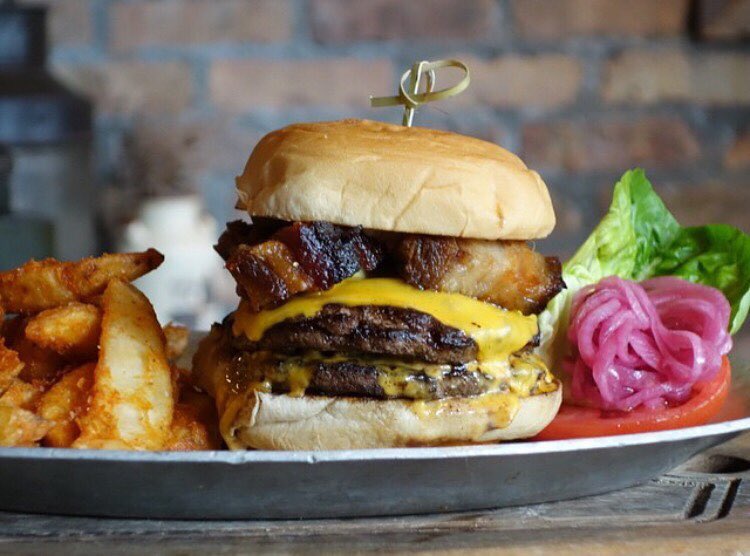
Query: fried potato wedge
x=71 y=330
x=64 y=403
x=195 y=424
x=41 y=285
x=39 y=364
x=10 y=366
x=133 y=395
x=22 y=395
x=177 y=340
x=19 y=427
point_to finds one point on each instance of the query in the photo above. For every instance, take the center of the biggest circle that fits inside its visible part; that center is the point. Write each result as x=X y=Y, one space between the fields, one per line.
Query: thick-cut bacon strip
x=330 y=253
x=243 y=233
x=506 y=273
x=267 y=274
x=272 y=262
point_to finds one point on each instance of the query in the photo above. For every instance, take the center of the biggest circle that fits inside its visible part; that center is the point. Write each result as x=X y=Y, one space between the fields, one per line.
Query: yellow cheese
x=500 y=407
x=497 y=332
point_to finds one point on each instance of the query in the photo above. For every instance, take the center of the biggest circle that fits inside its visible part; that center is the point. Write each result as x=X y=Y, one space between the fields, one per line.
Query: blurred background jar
x=47 y=130
x=153 y=202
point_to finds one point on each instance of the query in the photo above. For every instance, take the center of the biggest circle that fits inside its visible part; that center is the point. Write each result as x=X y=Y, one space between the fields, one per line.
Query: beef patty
x=314 y=373
x=368 y=329
x=362 y=375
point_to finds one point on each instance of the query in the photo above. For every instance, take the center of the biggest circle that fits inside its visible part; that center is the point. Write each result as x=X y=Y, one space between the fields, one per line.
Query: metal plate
x=288 y=485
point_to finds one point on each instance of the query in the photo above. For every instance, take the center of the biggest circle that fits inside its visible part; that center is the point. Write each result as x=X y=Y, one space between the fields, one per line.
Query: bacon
x=507 y=273
x=267 y=274
x=273 y=261
x=239 y=232
x=331 y=253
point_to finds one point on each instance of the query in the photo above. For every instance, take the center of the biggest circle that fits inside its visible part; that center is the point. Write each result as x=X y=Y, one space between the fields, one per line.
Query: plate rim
x=380 y=454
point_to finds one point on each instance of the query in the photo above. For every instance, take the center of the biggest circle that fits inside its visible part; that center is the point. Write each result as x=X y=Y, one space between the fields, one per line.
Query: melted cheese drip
x=497 y=332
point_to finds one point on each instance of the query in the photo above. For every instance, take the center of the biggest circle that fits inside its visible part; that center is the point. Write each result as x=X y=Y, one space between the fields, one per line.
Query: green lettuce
x=639 y=238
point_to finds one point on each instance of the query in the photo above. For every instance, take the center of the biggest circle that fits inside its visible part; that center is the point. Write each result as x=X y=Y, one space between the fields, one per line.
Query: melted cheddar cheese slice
x=498 y=333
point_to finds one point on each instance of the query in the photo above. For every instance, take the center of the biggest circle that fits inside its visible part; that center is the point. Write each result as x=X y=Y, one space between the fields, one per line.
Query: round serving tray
x=284 y=485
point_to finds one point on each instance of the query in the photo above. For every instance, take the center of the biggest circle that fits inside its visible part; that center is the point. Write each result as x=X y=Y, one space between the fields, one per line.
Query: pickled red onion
x=645 y=343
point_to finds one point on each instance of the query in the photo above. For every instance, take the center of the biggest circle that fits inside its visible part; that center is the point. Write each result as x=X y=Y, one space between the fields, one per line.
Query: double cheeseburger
x=388 y=293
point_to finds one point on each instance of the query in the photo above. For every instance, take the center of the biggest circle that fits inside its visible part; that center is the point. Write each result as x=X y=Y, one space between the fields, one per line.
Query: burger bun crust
x=397 y=179
x=281 y=422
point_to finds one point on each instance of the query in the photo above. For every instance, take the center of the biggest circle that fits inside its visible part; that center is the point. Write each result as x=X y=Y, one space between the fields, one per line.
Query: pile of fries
x=84 y=362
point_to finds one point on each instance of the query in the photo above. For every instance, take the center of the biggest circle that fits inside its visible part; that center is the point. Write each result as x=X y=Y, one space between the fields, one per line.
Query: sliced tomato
x=583 y=422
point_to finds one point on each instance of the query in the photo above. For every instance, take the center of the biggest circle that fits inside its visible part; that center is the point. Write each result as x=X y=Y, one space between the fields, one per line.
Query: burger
x=388 y=293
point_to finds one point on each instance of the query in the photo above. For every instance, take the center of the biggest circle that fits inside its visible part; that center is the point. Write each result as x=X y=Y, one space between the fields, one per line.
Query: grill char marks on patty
x=273 y=261
x=369 y=329
x=359 y=378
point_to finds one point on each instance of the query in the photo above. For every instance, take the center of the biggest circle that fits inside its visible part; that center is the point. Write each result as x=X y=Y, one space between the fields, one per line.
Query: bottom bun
x=281 y=422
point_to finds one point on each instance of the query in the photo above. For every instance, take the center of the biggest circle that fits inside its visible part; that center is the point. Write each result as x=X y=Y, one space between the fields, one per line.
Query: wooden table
x=702 y=507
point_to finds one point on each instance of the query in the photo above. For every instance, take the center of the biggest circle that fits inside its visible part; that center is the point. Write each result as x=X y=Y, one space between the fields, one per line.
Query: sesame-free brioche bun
x=395 y=178
x=281 y=422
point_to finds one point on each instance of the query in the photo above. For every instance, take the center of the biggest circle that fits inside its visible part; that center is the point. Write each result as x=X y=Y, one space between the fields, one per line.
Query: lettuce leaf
x=639 y=238
x=630 y=239
x=716 y=255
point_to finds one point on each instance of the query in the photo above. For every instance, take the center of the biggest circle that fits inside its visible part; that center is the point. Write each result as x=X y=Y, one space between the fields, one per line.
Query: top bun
x=394 y=178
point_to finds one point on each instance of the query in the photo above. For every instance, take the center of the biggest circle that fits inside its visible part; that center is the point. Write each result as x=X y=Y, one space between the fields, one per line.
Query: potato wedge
x=133 y=395
x=64 y=403
x=195 y=424
x=19 y=427
x=177 y=340
x=10 y=366
x=71 y=330
x=41 y=285
x=22 y=395
x=39 y=364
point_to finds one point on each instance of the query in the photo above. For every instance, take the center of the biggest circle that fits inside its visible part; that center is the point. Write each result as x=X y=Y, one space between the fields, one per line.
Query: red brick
x=241 y=85
x=708 y=203
x=221 y=146
x=582 y=145
x=723 y=19
x=335 y=21
x=546 y=80
x=169 y=22
x=643 y=76
x=647 y=76
x=571 y=225
x=738 y=155
x=568 y=214
x=559 y=19
x=171 y=149
x=133 y=87
x=70 y=22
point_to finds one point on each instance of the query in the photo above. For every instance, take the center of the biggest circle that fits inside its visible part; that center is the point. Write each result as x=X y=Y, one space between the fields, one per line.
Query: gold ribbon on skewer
x=411 y=99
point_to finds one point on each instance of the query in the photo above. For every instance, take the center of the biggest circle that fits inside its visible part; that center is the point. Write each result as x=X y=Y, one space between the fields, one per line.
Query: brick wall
x=581 y=89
